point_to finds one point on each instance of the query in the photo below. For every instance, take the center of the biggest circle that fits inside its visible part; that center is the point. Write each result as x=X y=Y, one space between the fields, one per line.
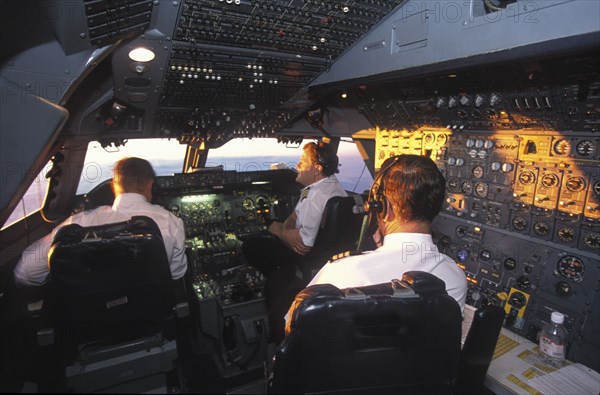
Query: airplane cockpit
x=220 y=96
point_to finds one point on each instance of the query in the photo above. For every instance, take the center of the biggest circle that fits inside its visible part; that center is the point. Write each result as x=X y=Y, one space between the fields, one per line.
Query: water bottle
x=553 y=340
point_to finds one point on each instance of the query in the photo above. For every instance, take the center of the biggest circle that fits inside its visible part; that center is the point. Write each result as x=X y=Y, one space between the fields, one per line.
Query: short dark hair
x=414 y=186
x=322 y=154
x=132 y=174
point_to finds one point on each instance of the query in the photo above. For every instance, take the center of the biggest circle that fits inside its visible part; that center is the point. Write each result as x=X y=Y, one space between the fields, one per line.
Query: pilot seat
x=112 y=307
x=402 y=336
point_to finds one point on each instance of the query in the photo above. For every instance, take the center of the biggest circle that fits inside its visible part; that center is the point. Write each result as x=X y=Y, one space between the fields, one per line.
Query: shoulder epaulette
x=344 y=255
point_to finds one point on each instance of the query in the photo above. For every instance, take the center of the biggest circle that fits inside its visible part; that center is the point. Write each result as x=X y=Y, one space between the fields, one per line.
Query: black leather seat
x=111 y=294
x=339 y=231
x=402 y=336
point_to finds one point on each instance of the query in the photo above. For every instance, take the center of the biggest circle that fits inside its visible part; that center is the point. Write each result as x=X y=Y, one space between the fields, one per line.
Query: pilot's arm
x=286 y=231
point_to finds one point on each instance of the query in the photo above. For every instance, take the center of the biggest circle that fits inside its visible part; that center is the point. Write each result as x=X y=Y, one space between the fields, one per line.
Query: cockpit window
x=263 y=153
x=33 y=198
x=166 y=156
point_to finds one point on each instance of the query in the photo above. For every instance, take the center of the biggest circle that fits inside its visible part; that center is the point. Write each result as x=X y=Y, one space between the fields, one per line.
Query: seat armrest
x=182 y=305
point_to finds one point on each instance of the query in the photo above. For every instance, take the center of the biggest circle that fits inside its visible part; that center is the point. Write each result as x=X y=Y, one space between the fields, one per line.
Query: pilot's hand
x=378 y=238
x=295 y=243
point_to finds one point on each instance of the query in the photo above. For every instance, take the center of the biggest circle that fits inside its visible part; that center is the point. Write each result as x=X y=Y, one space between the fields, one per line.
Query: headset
x=376 y=203
x=324 y=160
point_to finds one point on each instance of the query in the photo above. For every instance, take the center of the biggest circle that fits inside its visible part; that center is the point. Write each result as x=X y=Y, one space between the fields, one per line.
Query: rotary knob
x=506 y=167
x=452 y=102
x=465 y=100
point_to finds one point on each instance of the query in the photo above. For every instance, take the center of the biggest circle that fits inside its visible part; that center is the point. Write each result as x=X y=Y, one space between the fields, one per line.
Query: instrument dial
x=550 y=180
x=526 y=177
x=562 y=147
x=575 y=184
x=566 y=234
x=466 y=187
x=571 y=268
x=481 y=189
x=477 y=172
x=453 y=185
x=510 y=264
x=428 y=138
x=541 y=228
x=441 y=139
x=585 y=148
x=596 y=188
x=592 y=240
x=460 y=231
x=248 y=204
x=519 y=223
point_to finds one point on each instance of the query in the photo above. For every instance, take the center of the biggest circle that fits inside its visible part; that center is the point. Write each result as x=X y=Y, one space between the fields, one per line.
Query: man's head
x=411 y=186
x=133 y=175
x=317 y=161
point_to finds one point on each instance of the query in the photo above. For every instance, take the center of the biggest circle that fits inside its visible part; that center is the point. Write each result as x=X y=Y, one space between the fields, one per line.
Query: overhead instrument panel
x=233 y=64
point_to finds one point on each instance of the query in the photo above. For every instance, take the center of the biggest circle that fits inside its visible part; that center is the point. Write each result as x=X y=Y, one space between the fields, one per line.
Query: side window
x=32 y=200
x=353 y=174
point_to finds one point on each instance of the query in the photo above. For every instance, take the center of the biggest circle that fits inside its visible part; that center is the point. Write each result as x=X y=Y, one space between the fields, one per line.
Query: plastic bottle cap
x=557 y=318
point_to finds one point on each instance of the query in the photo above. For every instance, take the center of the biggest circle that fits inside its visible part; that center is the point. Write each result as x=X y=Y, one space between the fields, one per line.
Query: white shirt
x=32 y=268
x=311 y=205
x=400 y=253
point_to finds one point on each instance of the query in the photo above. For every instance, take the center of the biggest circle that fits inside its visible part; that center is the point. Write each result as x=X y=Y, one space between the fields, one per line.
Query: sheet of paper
x=572 y=379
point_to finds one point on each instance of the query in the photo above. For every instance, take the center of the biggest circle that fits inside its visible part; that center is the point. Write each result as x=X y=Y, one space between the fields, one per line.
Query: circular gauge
x=596 y=188
x=481 y=189
x=429 y=138
x=453 y=185
x=526 y=177
x=585 y=148
x=441 y=139
x=519 y=223
x=488 y=144
x=460 y=231
x=479 y=143
x=466 y=187
x=477 y=172
x=562 y=147
x=248 y=204
x=575 y=184
x=216 y=211
x=566 y=234
x=262 y=201
x=382 y=154
x=202 y=206
x=495 y=166
x=485 y=255
x=250 y=216
x=510 y=264
x=592 y=240
x=470 y=143
x=570 y=267
x=460 y=161
x=541 y=228
x=550 y=180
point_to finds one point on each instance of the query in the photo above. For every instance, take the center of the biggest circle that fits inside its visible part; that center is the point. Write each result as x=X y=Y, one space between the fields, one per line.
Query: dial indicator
x=571 y=268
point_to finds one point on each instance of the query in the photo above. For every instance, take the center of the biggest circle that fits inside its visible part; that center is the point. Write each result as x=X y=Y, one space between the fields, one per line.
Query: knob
x=452 y=102
x=465 y=100
x=506 y=167
x=440 y=102
x=451 y=161
x=564 y=289
x=479 y=100
x=460 y=162
x=495 y=166
x=523 y=282
x=488 y=144
x=494 y=99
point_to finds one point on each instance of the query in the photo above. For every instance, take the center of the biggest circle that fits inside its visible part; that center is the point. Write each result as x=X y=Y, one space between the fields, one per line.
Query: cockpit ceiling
x=233 y=58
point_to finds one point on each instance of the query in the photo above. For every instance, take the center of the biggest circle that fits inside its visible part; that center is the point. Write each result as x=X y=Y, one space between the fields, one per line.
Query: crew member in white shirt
x=132 y=186
x=279 y=258
x=406 y=195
